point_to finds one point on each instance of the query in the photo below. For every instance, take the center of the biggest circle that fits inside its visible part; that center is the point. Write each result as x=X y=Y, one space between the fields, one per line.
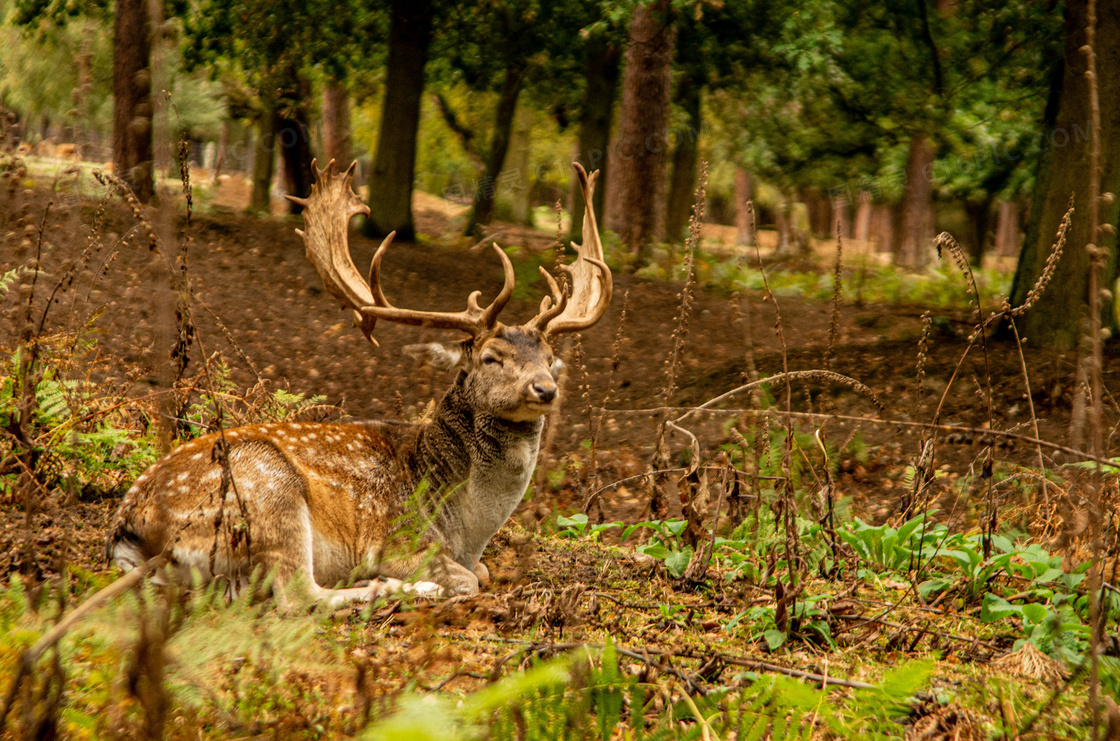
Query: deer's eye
x=491 y=360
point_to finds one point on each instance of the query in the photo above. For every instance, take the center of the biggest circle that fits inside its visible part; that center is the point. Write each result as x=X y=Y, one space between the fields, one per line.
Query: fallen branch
x=645 y=654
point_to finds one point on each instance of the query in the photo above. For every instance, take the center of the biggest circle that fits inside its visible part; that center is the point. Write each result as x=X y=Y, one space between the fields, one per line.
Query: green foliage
x=228 y=664
x=577 y=526
x=573 y=697
x=91 y=451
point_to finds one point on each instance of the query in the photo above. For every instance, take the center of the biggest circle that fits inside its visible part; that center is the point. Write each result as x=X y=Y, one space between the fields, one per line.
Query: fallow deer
x=323 y=505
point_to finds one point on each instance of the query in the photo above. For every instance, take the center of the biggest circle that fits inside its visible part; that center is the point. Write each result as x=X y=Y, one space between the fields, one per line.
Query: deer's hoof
x=423 y=589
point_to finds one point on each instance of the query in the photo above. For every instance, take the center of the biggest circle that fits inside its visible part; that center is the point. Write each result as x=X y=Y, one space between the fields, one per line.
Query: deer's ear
x=440 y=355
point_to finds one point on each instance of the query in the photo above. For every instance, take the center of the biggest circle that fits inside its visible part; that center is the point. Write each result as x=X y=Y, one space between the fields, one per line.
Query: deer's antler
x=326 y=216
x=592 y=285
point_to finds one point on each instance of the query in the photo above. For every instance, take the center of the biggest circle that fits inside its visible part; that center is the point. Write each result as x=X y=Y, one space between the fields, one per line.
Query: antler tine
x=551 y=306
x=375 y=270
x=474 y=320
x=592 y=284
x=326 y=218
x=509 y=280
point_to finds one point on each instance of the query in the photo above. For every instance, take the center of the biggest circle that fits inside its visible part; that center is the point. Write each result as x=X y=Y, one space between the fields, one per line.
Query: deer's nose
x=545 y=392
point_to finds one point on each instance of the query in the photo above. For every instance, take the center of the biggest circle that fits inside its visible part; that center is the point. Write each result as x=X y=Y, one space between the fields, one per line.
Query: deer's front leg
x=453 y=578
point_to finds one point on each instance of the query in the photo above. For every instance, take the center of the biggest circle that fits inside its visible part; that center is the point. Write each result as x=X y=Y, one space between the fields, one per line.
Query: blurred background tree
x=881 y=122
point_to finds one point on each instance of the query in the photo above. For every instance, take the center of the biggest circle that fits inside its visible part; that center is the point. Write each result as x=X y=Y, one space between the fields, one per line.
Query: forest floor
x=940 y=657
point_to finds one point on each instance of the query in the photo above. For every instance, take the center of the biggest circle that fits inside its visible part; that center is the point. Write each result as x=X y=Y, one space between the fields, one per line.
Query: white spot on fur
x=183 y=476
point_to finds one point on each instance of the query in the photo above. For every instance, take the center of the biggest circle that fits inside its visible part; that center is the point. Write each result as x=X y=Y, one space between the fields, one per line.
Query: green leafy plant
x=577 y=526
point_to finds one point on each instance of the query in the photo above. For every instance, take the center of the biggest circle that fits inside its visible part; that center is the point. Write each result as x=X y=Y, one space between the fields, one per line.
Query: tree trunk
x=643 y=129
x=394 y=165
x=1007 y=230
x=882 y=231
x=132 y=111
x=515 y=187
x=784 y=218
x=682 y=183
x=263 y=154
x=744 y=218
x=336 y=123
x=293 y=133
x=1055 y=321
x=862 y=231
x=220 y=160
x=841 y=218
x=819 y=209
x=483 y=210
x=915 y=243
x=979 y=217
x=83 y=105
x=601 y=71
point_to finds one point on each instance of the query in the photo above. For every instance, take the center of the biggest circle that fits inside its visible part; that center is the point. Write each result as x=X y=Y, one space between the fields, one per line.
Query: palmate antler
x=327 y=214
x=333 y=202
x=592 y=285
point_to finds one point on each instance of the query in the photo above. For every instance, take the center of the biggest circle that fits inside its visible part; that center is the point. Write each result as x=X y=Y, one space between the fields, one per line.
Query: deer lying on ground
x=320 y=505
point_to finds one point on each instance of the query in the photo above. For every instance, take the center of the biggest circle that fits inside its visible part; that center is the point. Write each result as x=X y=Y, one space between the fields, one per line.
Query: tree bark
x=516 y=188
x=819 y=210
x=744 y=218
x=394 y=165
x=882 y=231
x=336 y=123
x=132 y=111
x=601 y=72
x=483 y=210
x=220 y=160
x=260 y=201
x=1056 y=320
x=682 y=182
x=862 y=231
x=979 y=217
x=293 y=133
x=643 y=128
x=1007 y=230
x=916 y=243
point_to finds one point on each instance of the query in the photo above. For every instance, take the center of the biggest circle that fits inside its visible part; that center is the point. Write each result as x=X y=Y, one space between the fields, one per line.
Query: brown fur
x=331 y=503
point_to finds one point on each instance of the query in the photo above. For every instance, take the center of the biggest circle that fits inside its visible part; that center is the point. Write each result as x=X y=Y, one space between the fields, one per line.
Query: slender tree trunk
x=132 y=112
x=862 y=231
x=263 y=155
x=643 y=128
x=394 y=165
x=841 y=218
x=1056 y=320
x=682 y=182
x=915 y=244
x=601 y=72
x=83 y=108
x=483 y=210
x=293 y=133
x=820 y=213
x=336 y=123
x=220 y=160
x=783 y=216
x=1007 y=230
x=515 y=189
x=882 y=231
x=979 y=217
x=744 y=218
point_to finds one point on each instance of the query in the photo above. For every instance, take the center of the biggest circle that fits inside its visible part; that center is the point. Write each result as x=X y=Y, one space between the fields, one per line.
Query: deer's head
x=508 y=371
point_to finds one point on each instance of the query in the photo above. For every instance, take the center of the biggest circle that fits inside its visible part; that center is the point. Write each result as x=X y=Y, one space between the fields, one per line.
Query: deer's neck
x=480 y=466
